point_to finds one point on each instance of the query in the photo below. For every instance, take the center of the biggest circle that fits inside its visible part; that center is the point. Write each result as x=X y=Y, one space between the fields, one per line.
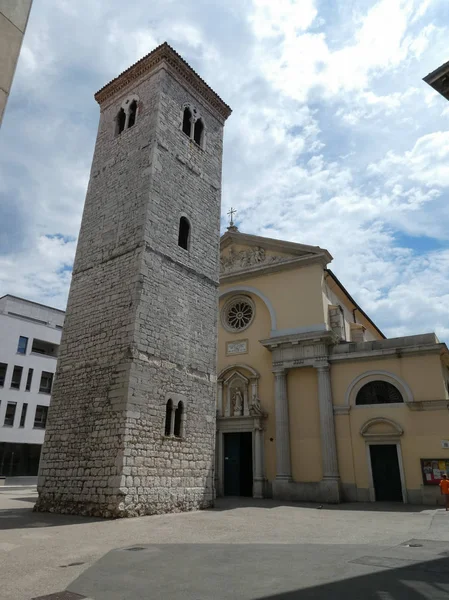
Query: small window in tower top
x=184 y=233
x=132 y=113
x=187 y=121
x=121 y=120
x=198 y=132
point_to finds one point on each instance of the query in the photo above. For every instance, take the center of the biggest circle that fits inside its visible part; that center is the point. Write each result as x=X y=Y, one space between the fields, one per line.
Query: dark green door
x=386 y=475
x=238 y=464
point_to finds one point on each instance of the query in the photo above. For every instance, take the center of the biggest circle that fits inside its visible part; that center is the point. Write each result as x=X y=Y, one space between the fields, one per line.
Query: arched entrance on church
x=239 y=468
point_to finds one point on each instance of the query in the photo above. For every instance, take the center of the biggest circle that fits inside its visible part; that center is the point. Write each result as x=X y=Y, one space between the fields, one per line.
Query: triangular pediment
x=242 y=253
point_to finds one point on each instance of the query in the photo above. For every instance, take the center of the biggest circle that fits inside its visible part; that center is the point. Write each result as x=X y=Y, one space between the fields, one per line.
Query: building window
x=121 y=120
x=179 y=420
x=23 y=416
x=29 y=380
x=168 y=417
x=10 y=414
x=132 y=113
x=198 y=132
x=238 y=313
x=22 y=346
x=3 y=368
x=184 y=233
x=187 y=121
x=378 y=392
x=46 y=382
x=40 y=418
x=16 y=378
x=46 y=348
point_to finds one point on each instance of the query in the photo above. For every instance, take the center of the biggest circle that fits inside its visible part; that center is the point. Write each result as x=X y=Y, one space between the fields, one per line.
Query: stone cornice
x=384 y=353
x=429 y=405
x=164 y=54
x=310 y=337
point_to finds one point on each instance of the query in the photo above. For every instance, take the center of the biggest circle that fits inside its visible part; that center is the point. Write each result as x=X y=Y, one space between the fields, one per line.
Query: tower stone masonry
x=131 y=426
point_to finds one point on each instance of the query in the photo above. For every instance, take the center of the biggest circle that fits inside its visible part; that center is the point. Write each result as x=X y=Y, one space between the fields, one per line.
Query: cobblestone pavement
x=241 y=549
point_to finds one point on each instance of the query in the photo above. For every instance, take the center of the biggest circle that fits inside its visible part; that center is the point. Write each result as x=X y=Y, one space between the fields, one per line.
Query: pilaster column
x=327 y=425
x=220 y=399
x=283 y=462
x=258 y=462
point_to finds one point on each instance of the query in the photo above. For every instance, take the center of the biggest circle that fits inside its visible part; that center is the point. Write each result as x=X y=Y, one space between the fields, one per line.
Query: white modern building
x=30 y=335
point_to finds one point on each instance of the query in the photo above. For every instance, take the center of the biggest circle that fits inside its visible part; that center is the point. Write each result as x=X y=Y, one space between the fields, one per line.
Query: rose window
x=238 y=314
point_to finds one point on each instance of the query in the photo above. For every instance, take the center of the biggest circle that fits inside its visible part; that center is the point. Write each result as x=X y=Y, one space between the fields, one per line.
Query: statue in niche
x=255 y=408
x=237 y=401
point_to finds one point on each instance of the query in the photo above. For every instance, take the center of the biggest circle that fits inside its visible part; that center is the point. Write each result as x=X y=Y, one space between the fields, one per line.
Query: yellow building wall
x=295 y=295
x=259 y=358
x=305 y=441
x=423 y=430
x=422 y=374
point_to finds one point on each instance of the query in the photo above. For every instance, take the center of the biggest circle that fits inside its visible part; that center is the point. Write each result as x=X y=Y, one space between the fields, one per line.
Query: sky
x=334 y=139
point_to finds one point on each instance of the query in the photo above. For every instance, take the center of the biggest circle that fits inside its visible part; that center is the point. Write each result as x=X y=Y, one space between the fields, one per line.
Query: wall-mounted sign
x=237 y=347
x=432 y=470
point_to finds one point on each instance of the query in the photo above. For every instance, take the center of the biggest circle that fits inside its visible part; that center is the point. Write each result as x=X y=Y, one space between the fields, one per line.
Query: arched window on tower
x=168 y=417
x=198 y=132
x=121 y=120
x=184 y=233
x=132 y=113
x=187 y=121
x=378 y=392
x=179 y=420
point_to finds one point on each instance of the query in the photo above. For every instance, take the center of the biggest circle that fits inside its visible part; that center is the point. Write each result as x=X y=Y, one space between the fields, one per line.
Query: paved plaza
x=241 y=549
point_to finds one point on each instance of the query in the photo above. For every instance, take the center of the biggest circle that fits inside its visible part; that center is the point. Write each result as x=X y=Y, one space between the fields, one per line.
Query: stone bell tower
x=131 y=427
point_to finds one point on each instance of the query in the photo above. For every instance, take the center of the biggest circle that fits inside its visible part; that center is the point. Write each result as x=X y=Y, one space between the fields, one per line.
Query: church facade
x=313 y=402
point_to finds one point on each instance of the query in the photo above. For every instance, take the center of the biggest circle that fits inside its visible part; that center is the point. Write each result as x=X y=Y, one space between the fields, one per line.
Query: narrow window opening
x=121 y=119
x=198 y=132
x=186 y=122
x=10 y=414
x=16 y=378
x=29 y=380
x=40 y=417
x=46 y=382
x=22 y=345
x=184 y=233
x=168 y=416
x=178 y=420
x=132 y=113
x=23 y=416
x=3 y=368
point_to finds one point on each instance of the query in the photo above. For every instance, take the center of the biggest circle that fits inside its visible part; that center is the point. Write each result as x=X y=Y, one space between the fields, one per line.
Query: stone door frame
x=385 y=442
x=245 y=424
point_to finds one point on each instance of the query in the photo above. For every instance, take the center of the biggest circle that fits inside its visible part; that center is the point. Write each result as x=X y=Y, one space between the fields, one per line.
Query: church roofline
x=439 y=80
x=148 y=63
x=354 y=303
x=272 y=243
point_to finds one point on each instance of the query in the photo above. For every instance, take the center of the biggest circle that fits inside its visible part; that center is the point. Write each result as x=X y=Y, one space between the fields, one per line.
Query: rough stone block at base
x=326 y=491
x=144 y=505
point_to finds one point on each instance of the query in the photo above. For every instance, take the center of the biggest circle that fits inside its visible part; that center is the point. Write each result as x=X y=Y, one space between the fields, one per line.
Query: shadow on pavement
x=264 y=572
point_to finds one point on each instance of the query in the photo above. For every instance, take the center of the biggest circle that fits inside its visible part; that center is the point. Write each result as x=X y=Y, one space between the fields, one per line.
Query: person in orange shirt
x=444 y=486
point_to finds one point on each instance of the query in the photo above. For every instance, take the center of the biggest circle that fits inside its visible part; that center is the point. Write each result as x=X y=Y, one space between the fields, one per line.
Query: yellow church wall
x=422 y=373
x=294 y=294
x=305 y=443
x=423 y=432
x=259 y=358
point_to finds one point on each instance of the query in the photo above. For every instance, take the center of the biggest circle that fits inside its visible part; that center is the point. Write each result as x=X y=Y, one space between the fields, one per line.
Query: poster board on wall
x=432 y=470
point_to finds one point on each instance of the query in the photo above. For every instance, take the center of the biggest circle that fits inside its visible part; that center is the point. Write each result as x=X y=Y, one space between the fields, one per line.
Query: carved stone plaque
x=237 y=347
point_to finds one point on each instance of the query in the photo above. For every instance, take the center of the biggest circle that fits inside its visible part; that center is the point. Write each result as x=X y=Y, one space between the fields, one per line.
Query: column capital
x=322 y=366
x=279 y=372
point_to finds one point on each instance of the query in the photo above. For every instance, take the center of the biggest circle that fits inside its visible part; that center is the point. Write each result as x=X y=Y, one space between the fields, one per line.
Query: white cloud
x=332 y=140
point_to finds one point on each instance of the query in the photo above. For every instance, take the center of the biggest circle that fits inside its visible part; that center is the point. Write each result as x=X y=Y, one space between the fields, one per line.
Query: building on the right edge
x=313 y=402
x=439 y=80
